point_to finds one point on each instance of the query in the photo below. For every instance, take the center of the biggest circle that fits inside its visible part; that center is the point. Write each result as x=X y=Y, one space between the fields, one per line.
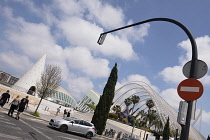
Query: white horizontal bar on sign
x=190 y=89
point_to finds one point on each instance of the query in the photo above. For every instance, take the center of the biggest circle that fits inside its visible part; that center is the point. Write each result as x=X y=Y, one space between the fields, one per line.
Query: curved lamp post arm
x=192 y=40
x=193 y=71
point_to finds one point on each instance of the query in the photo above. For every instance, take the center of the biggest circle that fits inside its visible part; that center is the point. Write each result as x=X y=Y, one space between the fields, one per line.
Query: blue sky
x=67 y=31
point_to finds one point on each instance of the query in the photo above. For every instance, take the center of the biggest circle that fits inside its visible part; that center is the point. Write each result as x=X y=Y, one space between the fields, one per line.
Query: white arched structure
x=162 y=107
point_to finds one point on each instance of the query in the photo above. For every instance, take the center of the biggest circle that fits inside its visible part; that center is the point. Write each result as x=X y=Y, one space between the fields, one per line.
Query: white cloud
x=69 y=8
x=80 y=32
x=105 y=14
x=33 y=39
x=79 y=86
x=135 y=33
x=171 y=97
x=13 y=61
x=172 y=74
x=203 y=46
x=81 y=59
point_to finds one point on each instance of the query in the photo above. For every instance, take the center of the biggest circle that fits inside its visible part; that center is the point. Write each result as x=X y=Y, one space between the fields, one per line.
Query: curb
x=29 y=115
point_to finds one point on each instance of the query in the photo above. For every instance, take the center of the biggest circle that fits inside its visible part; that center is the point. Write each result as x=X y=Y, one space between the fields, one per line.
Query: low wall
x=14 y=93
x=33 y=101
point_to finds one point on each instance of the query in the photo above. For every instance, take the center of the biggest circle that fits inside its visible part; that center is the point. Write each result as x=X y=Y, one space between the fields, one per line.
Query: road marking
x=67 y=138
x=5 y=119
x=12 y=127
x=7 y=122
x=190 y=89
x=44 y=129
x=38 y=120
x=10 y=137
x=36 y=130
x=1 y=115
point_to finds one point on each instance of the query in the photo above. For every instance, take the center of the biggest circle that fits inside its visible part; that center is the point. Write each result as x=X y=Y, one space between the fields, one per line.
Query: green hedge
x=91 y=106
x=36 y=114
x=113 y=115
x=124 y=120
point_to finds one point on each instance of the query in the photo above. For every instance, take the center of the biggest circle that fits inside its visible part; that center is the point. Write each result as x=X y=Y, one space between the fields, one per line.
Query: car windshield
x=70 y=118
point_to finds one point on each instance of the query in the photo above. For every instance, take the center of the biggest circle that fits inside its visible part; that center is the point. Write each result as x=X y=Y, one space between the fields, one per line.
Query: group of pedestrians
x=66 y=112
x=16 y=104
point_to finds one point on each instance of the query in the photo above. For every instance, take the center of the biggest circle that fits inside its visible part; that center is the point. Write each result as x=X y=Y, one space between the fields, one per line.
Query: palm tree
x=150 y=104
x=127 y=102
x=116 y=109
x=135 y=99
x=157 y=123
x=151 y=116
x=142 y=118
x=143 y=121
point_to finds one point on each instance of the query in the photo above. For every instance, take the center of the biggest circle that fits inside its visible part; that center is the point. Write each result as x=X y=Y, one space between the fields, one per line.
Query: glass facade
x=64 y=99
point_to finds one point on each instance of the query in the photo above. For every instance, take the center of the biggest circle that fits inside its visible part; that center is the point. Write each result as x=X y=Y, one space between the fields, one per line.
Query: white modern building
x=92 y=98
x=27 y=85
x=63 y=97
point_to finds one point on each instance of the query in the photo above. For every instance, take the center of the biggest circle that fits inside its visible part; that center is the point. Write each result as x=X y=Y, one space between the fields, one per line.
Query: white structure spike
x=32 y=76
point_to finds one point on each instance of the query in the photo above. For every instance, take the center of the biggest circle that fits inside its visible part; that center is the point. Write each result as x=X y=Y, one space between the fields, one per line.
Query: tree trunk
x=39 y=104
x=127 y=112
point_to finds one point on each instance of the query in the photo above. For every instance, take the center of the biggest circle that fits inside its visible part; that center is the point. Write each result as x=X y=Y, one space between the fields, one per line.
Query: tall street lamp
x=193 y=70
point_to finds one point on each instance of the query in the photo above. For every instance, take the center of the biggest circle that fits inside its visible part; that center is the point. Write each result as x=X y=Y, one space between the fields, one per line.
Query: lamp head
x=101 y=39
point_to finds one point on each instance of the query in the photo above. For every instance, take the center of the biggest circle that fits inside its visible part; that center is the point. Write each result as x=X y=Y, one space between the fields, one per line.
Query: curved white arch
x=162 y=107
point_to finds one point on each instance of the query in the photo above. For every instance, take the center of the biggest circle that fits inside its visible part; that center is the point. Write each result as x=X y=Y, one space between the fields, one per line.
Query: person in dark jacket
x=64 y=113
x=23 y=104
x=4 y=98
x=69 y=113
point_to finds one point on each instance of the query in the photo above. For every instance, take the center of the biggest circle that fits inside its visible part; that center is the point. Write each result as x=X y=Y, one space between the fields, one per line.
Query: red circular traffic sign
x=190 y=89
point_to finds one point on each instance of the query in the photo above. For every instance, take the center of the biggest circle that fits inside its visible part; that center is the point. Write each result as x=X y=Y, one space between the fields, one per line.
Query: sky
x=68 y=30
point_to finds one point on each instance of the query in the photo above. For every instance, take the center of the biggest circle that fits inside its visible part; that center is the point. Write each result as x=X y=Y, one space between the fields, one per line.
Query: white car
x=73 y=124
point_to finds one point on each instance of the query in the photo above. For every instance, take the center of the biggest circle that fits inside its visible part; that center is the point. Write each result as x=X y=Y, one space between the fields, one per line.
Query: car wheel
x=63 y=128
x=89 y=135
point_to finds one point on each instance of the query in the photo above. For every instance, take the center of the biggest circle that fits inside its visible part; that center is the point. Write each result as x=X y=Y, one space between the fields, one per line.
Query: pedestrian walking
x=64 y=113
x=22 y=106
x=58 y=111
x=69 y=113
x=13 y=106
x=4 y=98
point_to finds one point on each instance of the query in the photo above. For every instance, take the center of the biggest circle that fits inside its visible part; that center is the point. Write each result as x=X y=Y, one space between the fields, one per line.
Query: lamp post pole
x=193 y=71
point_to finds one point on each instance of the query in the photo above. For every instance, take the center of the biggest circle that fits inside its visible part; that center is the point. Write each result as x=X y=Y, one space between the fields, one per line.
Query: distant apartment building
x=8 y=79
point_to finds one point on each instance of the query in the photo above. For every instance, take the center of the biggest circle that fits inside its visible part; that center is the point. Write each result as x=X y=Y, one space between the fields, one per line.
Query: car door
x=84 y=126
x=74 y=126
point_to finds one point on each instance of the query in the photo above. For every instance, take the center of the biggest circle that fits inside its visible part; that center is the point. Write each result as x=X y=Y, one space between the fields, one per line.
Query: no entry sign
x=190 y=89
